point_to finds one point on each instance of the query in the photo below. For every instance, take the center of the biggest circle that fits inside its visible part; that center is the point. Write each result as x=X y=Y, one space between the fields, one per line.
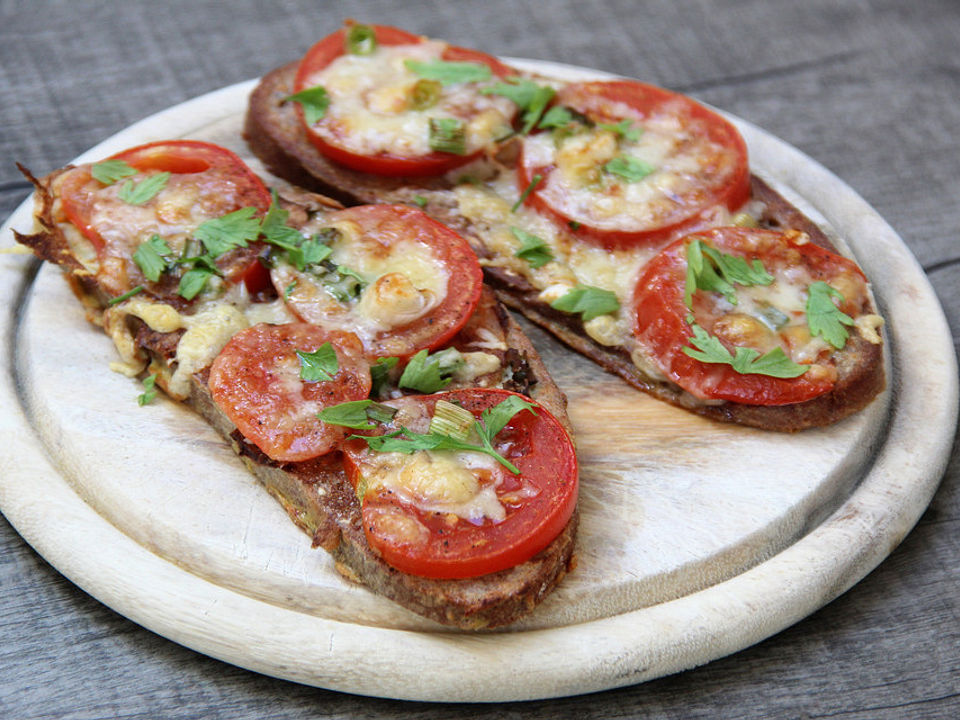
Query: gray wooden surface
x=871 y=89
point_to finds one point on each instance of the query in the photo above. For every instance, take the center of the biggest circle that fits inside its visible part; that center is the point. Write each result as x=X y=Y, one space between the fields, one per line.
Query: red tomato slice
x=207 y=181
x=538 y=503
x=395 y=246
x=328 y=139
x=255 y=381
x=678 y=132
x=661 y=328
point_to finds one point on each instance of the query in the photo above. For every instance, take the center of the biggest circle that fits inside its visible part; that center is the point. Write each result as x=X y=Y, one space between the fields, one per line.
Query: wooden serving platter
x=697 y=539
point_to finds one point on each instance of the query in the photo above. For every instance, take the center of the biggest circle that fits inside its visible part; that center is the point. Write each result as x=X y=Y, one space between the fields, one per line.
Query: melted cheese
x=439 y=481
x=682 y=159
x=402 y=282
x=369 y=111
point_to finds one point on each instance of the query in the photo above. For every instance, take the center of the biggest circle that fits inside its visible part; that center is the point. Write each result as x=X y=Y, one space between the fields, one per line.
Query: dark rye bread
x=275 y=134
x=321 y=501
x=317 y=494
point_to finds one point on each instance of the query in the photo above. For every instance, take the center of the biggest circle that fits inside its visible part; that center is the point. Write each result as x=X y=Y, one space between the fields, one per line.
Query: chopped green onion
x=425 y=94
x=361 y=40
x=448 y=135
x=451 y=420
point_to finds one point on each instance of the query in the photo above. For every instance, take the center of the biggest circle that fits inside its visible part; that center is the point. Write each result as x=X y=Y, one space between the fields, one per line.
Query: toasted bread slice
x=317 y=494
x=274 y=133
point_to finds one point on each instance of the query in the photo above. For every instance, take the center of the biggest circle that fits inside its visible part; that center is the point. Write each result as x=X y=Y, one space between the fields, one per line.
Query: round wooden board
x=697 y=539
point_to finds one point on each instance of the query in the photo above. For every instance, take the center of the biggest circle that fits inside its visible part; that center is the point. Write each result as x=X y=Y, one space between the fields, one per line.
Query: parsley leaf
x=747 y=361
x=380 y=373
x=321 y=364
x=714 y=271
x=193 y=281
x=109 y=171
x=823 y=317
x=624 y=129
x=149 y=390
x=420 y=201
x=143 y=191
x=351 y=414
x=314 y=102
x=492 y=421
x=496 y=418
x=556 y=117
x=149 y=257
x=357 y=414
x=448 y=73
x=429 y=373
x=629 y=168
x=530 y=98
x=448 y=135
x=587 y=300
x=534 y=249
x=274 y=226
x=229 y=231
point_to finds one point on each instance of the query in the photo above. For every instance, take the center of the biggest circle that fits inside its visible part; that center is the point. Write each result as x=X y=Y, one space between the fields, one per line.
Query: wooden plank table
x=870 y=89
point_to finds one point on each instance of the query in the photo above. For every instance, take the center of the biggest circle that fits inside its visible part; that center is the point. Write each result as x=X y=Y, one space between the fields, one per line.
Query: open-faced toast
x=129 y=259
x=529 y=201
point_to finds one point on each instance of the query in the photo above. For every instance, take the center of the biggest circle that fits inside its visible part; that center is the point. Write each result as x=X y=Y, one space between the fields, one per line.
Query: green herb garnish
x=556 y=117
x=714 y=271
x=531 y=98
x=624 y=129
x=314 y=102
x=361 y=40
x=126 y=296
x=357 y=414
x=448 y=135
x=149 y=390
x=425 y=94
x=534 y=181
x=321 y=364
x=109 y=171
x=420 y=201
x=448 y=73
x=587 y=300
x=629 y=168
x=380 y=373
x=746 y=361
x=229 y=231
x=492 y=421
x=193 y=281
x=429 y=373
x=143 y=191
x=534 y=249
x=149 y=257
x=824 y=318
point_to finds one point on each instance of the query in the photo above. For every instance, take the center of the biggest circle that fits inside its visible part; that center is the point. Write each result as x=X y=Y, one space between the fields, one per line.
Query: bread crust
x=274 y=133
x=317 y=494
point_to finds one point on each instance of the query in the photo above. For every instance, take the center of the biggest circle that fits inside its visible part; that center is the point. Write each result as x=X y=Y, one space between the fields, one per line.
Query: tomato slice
x=669 y=169
x=255 y=381
x=410 y=508
x=206 y=182
x=379 y=97
x=764 y=318
x=422 y=280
